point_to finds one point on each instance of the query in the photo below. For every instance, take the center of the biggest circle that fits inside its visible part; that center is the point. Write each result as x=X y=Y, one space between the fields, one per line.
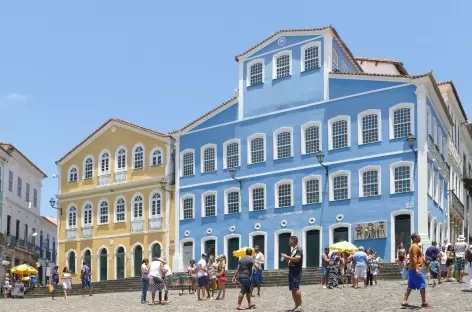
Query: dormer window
x=255 y=72
x=282 y=64
x=310 y=56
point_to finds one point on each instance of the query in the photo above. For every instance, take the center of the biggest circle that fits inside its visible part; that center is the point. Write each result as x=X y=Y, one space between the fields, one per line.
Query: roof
x=123 y=122
x=52 y=220
x=9 y=148
x=456 y=94
x=283 y=31
x=398 y=65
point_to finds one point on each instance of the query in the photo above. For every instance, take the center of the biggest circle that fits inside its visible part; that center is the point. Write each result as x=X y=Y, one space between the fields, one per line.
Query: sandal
x=240 y=308
x=426 y=305
x=252 y=306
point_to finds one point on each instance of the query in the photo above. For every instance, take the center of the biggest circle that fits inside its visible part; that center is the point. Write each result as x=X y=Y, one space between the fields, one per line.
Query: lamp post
x=320 y=157
x=232 y=172
x=53 y=202
x=411 y=140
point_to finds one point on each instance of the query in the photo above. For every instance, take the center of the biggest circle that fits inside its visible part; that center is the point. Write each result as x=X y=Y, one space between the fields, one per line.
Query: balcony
x=104 y=179
x=137 y=226
x=86 y=231
x=71 y=234
x=155 y=224
x=456 y=206
x=121 y=176
x=454 y=156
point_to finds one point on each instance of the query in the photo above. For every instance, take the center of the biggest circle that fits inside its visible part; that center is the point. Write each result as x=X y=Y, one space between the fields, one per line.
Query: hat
x=162 y=259
x=461 y=238
x=204 y=255
x=361 y=248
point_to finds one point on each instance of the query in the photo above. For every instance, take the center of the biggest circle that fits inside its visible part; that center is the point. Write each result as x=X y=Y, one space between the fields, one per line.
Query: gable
x=228 y=114
x=282 y=42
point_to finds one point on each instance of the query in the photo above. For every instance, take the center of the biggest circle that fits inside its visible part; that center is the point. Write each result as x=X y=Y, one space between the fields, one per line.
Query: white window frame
x=249 y=147
x=93 y=167
x=248 y=71
x=392 y=175
x=202 y=157
x=203 y=208
x=99 y=212
x=275 y=135
x=185 y=151
x=72 y=205
x=303 y=136
x=132 y=206
x=439 y=143
x=274 y=63
x=391 y=112
x=83 y=214
x=304 y=192
x=276 y=192
x=115 y=206
x=100 y=162
x=230 y=190
x=151 y=199
x=126 y=159
x=361 y=180
x=436 y=187
x=330 y=131
x=435 y=130
x=441 y=200
x=334 y=60
x=151 y=157
x=251 y=202
x=430 y=179
x=331 y=184
x=225 y=145
x=360 y=116
x=428 y=114
x=305 y=47
x=144 y=156
x=69 y=173
x=182 y=198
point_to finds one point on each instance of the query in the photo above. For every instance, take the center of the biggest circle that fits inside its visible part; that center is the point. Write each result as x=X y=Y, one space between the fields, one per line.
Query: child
x=434 y=269
x=376 y=264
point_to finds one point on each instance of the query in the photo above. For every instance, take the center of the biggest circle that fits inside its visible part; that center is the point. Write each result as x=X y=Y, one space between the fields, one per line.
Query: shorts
x=416 y=281
x=460 y=262
x=442 y=268
x=256 y=278
x=245 y=284
x=324 y=271
x=203 y=281
x=86 y=284
x=434 y=275
x=449 y=262
x=54 y=284
x=360 y=272
x=294 y=279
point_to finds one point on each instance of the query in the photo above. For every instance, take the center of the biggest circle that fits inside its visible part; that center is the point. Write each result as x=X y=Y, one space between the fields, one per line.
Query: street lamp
x=411 y=140
x=320 y=156
x=52 y=202
x=232 y=172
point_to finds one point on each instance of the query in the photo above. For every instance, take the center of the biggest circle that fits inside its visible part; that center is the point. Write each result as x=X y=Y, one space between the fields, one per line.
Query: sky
x=68 y=66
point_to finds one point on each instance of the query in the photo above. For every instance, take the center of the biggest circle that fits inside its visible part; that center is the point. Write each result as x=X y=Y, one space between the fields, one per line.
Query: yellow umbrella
x=343 y=246
x=242 y=252
x=24 y=269
x=26 y=278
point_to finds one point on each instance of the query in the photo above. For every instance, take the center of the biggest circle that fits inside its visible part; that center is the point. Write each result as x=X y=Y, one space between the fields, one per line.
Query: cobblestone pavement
x=384 y=297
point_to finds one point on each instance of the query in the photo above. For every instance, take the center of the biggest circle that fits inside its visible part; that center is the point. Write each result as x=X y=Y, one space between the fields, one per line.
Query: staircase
x=271 y=279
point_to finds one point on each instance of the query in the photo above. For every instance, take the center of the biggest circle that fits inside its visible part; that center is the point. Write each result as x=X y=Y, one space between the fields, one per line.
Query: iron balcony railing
x=457 y=205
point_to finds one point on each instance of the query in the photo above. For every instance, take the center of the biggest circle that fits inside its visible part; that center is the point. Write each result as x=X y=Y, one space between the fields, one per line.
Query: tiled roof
x=456 y=94
x=398 y=65
x=53 y=220
x=282 y=31
x=127 y=123
x=9 y=148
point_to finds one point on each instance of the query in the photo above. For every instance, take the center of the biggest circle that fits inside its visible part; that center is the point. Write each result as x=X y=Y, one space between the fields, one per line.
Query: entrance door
x=313 y=248
x=138 y=259
x=340 y=234
x=156 y=251
x=233 y=245
x=187 y=253
x=284 y=247
x=259 y=240
x=103 y=265
x=120 y=263
x=210 y=247
x=402 y=230
x=88 y=259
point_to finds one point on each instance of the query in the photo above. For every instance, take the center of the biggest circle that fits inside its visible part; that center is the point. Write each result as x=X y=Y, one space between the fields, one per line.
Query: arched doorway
x=403 y=230
x=259 y=240
x=88 y=259
x=313 y=248
x=138 y=259
x=187 y=253
x=210 y=247
x=103 y=259
x=120 y=263
x=284 y=247
x=156 y=251
x=71 y=262
x=340 y=234
x=233 y=245
x=435 y=231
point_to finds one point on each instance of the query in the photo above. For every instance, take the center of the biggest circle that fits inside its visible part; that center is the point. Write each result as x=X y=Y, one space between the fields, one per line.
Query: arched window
x=311 y=137
x=310 y=56
x=155 y=204
x=401 y=177
x=283 y=143
x=103 y=212
x=72 y=218
x=231 y=153
x=138 y=157
x=88 y=168
x=232 y=201
x=283 y=66
x=138 y=207
x=401 y=118
x=209 y=158
x=121 y=160
x=284 y=194
x=71 y=262
x=156 y=251
x=120 y=210
x=156 y=157
x=188 y=163
x=105 y=163
x=257 y=148
x=87 y=215
x=73 y=174
x=339 y=135
x=255 y=72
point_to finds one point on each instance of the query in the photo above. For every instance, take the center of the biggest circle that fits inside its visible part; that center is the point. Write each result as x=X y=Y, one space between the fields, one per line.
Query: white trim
x=276 y=192
x=430 y=180
x=251 y=189
x=82 y=256
x=71 y=205
x=327 y=57
x=99 y=212
x=151 y=156
x=225 y=145
x=99 y=250
x=116 y=159
x=151 y=245
x=276 y=245
x=391 y=112
x=182 y=198
x=115 y=261
x=228 y=190
x=133 y=165
x=429 y=120
x=88 y=202
x=151 y=194
x=249 y=147
x=75 y=260
x=393 y=248
x=182 y=153
x=204 y=240
x=100 y=157
x=132 y=206
x=203 y=196
x=202 y=157
x=306 y=46
x=182 y=242
x=304 y=240
x=74 y=166
x=332 y=227
x=361 y=180
x=392 y=175
x=265 y=251
x=114 y=208
x=225 y=245
x=275 y=143
x=303 y=135
x=248 y=70
x=331 y=184
x=330 y=130
x=133 y=257
x=274 y=63
x=360 y=116
x=310 y=178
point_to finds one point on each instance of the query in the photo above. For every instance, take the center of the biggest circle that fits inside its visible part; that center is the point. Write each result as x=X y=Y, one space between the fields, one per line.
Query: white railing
x=71 y=234
x=121 y=176
x=86 y=231
x=137 y=226
x=104 y=179
x=155 y=223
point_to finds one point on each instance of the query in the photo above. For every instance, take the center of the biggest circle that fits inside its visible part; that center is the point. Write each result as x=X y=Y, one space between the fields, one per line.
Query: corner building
x=115 y=199
x=301 y=92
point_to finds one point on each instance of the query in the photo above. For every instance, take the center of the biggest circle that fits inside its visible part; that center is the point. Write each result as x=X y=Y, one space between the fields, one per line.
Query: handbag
x=51 y=288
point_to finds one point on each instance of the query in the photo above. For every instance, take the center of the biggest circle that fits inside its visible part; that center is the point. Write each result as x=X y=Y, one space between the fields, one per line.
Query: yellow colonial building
x=116 y=203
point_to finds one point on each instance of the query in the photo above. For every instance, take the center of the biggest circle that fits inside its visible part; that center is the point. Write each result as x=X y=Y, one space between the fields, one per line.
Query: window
x=138 y=156
x=188 y=163
x=187 y=207
x=311 y=190
x=335 y=63
x=155 y=204
x=87 y=215
x=103 y=212
x=369 y=181
x=156 y=157
x=440 y=190
x=209 y=158
x=120 y=210
x=430 y=179
x=256 y=151
x=340 y=185
x=283 y=66
x=26 y=232
x=10 y=181
x=232 y=201
x=35 y=198
x=428 y=114
x=369 y=125
x=441 y=199
x=310 y=56
x=17 y=229
x=437 y=188
x=283 y=147
x=138 y=203
x=339 y=135
x=8 y=225
x=121 y=160
x=73 y=174
x=255 y=72
x=311 y=137
x=401 y=177
x=88 y=168
x=257 y=195
x=72 y=218
x=231 y=153
x=19 y=187
x=401 y=120
x=284 y=194
x=209 y=204
x=28 y=190
x=105 y=163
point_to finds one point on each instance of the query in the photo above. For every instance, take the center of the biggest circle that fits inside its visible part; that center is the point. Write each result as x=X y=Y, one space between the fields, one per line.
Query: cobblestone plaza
x=384 y=297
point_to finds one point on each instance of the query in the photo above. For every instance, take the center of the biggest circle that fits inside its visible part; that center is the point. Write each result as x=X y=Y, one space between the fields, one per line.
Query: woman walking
x=156 y=282
x=54 y=280
x=221 y=277
x=211 y=269
x=401 y=254
x=166 y=274
x=192 y=272
x=66 y=283
x=449 y=262
x=144 y=280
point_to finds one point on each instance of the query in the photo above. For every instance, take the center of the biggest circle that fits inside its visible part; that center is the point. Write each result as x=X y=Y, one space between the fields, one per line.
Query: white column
x=241 y=90
x=177 y=265
x=327 y=56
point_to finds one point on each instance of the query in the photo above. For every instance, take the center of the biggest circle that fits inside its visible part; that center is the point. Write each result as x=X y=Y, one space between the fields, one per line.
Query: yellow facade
x=116 y=200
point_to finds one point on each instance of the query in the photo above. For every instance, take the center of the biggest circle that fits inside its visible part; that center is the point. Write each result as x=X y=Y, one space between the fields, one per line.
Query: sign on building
x=370 y=230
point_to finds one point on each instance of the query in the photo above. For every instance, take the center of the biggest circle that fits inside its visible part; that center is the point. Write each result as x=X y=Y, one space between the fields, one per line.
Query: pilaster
x=176 y=263
x=327 y=63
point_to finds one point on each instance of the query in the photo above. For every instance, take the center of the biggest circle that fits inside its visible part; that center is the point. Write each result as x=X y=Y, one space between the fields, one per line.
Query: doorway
x=187 y=253
x=284 y=247
x=156 y=251
x=259 y=240
x=233 y=245
x=210 y=247
x=313 y=248
x=120 y=263
x=88 y=259
x=103 y=265
x=138 y=259
x=403 y=230
x=340 y=234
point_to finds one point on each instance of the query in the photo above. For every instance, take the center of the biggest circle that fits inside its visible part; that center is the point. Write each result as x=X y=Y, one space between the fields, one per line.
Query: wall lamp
x=320 y=156
x=165 y=186
x=411 y=140
x=53 y=202
x=232 y=172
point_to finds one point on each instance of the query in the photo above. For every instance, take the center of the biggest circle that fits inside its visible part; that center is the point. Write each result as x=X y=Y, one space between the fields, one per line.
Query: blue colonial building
x=315 y=144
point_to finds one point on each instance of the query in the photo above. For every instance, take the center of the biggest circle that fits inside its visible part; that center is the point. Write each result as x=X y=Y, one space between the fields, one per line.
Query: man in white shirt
x=459 y=250
x=202 y=276
x=256 y=279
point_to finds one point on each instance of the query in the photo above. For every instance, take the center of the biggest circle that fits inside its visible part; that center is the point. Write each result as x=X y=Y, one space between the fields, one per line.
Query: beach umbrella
x=24 y=269
x=343 y=246
x=241 y=252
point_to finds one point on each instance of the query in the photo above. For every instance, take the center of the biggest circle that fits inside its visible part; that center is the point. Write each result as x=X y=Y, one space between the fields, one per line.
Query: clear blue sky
x=68 y=66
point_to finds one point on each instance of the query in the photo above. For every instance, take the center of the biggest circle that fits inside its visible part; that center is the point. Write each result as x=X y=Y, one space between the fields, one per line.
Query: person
x=166 y=275
x=401 y=254
x=295 y=263
x=431 y=252
x=434 y=269
x=66 y=284
x=85 y=278
x=221 y=277
x=211 y=269
x=324 y=267
x=192 y=272
x=369 y=268
x=360 y=258
x=459 y=251
x=468 y=257
x=449 y=262
x=243 y=272
x=333 y=275
x=442 y=264
x=54 y=280
x=416 y=278
x=376 y=265
x=144 y=280
x=256 y=279
x=202 y=277
x=156 y=280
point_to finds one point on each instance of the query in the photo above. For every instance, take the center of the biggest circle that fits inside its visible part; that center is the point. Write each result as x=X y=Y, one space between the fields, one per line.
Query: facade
x=48 y=247
x=3 y=240
x=248 y=172
x=115 y=200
